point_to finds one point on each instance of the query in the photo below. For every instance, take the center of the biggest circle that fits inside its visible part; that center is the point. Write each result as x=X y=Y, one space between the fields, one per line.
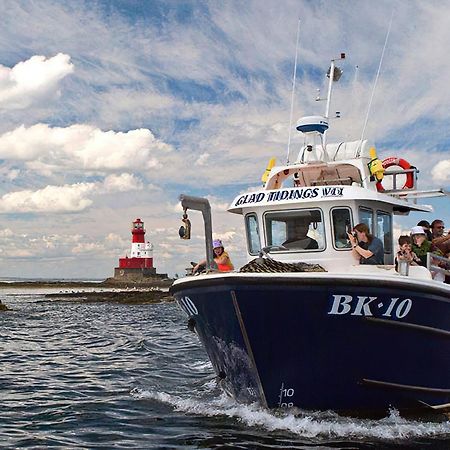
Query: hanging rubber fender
x=191 y=323
x=394 y=161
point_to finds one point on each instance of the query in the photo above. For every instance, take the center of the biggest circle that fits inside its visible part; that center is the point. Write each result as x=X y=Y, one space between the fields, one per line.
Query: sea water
x=108 y=375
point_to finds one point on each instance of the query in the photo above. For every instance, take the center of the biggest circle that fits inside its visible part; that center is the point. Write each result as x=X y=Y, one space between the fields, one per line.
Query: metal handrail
x=434 y=268
x=394 y=173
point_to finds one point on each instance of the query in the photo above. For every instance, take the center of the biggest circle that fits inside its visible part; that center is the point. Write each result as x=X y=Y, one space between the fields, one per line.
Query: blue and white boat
x=304 y=325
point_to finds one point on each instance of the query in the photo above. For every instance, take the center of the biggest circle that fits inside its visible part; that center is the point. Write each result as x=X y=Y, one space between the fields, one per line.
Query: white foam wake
x=305 y=424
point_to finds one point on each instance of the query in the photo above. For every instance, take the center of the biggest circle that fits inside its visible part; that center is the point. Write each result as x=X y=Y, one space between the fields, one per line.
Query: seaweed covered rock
x=122 y=296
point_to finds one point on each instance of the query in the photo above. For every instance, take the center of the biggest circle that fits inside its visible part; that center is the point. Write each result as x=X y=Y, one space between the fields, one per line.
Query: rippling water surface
x=104 y=375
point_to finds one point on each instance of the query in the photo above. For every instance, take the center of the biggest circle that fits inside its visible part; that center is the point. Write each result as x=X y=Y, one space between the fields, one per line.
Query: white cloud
x=115 y=241
x=115 y=103
x=122 y=183
x=12 y=174
x=49 y=199
x=51 y=246
x=6 y=233
x=441 y=171
x=67 y=198
x=32 y=80
x=217 y=205
x=82 y=147
x=226 y=236
x=202 y=159
x=87 y=248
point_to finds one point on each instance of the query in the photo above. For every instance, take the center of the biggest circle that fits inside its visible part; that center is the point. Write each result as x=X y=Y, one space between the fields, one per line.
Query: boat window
x=384 y=230
x=366 y=216
x=299 y=230
x=341 y=218
x=251 y=225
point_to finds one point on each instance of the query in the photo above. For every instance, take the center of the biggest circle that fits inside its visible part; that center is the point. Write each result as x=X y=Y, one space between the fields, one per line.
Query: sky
x=111 y=109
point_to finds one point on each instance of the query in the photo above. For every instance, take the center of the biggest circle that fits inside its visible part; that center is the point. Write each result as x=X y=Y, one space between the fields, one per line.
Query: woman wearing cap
x=366 y=247
x=221 y=258
x=427 y=228
x=420 y=244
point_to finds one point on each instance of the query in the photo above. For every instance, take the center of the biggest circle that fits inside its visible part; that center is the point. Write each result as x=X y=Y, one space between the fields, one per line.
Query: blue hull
x=321 y=343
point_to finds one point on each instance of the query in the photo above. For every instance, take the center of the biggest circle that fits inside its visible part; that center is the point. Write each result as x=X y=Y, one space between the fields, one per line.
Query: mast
x=334 y=74
x=293 y=94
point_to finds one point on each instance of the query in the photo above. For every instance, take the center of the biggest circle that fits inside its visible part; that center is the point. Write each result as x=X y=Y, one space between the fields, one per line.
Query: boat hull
x=323 y=343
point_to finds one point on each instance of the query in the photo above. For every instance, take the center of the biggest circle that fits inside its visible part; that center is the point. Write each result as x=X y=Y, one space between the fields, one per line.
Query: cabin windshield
x=299 y=230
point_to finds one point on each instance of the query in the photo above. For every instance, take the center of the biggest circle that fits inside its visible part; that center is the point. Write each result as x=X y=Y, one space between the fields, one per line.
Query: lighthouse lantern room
x=140 y=261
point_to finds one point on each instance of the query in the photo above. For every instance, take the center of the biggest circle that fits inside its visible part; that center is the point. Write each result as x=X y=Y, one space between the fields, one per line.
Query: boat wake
x=309 y=425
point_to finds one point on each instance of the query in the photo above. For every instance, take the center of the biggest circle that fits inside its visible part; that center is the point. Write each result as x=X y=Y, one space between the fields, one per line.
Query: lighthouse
x=140 y=262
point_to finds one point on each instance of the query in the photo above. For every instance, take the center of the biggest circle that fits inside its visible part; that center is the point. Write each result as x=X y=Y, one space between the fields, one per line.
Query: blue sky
x=111 y=109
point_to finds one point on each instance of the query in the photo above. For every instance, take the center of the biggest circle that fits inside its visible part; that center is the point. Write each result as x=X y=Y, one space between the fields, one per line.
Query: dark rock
x=123 y=296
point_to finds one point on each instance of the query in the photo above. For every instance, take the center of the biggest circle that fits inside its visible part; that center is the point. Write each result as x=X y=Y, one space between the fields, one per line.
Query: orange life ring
x=394 y=161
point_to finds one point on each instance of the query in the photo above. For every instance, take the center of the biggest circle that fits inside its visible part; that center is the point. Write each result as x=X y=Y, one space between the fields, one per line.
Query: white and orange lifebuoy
x=394 y=161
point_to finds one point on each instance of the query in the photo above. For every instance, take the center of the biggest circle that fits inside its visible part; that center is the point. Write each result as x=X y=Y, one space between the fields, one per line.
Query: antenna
x=293 y=92
x=374 y=85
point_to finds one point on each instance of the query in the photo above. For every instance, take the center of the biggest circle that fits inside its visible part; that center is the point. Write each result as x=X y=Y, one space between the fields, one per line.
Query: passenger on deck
x=297 y=232
x=441 y=245
x=405 y=252
x=441 y=241
x=420 y=245
x=221 y=258
x=366 y=247
x=437 y=228
x=427 y=228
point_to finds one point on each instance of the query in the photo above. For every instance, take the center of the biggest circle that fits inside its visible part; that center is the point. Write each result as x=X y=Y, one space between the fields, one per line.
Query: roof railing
x=394 y=174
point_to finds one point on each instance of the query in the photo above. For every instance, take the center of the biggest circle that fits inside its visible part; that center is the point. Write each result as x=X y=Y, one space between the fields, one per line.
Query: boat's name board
x=361 y=305
x=289 y=195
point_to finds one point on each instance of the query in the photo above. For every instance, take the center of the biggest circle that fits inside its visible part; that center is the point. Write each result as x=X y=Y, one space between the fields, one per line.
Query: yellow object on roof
x=266 y=173
x=375 y=165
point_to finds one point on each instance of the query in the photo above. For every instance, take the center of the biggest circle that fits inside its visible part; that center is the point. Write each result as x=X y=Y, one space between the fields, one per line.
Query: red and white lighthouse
x=140 y=261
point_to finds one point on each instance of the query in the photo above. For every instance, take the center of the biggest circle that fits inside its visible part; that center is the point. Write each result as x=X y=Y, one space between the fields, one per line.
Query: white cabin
x=335 y=189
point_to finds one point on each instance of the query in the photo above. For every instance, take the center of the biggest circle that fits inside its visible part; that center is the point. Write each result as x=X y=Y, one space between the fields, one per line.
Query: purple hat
x=217 y=243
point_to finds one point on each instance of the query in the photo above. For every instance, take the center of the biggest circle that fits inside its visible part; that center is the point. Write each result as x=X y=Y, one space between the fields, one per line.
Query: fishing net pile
x=270 y=265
